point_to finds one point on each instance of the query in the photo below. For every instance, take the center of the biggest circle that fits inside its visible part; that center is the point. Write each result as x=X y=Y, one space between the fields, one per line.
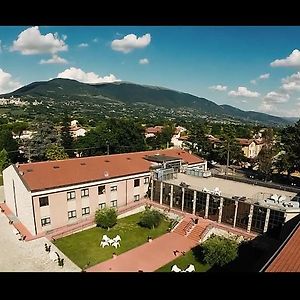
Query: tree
x=266 y=154
x=150 y=218
x=8 y=143
x=56 y=152
x=46 y=136
x=66 y=137
x=4 y=160
x=106 y=218
x=219 y=250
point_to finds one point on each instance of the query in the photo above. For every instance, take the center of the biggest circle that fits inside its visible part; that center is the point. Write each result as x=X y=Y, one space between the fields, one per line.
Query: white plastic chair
x=105 y=238
x=16 y=231
x=175 y=269
x=110 y=241
x=117 y=238
x=104 y=243
x=53 y=256
x=116 y=244
x=190 y=268
x=274 y=197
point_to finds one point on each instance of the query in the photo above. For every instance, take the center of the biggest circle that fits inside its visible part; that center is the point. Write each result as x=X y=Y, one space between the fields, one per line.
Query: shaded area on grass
x=194 y=257
x=1 y=180
x=83 y=248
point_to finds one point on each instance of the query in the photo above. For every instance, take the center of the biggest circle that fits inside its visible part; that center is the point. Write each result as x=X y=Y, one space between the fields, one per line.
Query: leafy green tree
x=289 y=160
x=150 y=218
x=219 y=250
x=266 y=154
x=4 y=160
x=18 y=127
x=8 y=143
x=66 y=137
x=44 y=138
x=200 y=143
x=106 y=218
x=55 y=152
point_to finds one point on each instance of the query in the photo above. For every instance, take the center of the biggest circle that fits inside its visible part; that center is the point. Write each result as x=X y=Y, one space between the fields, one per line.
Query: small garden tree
x=106 y=218
x=219 y=250
x=151 y=218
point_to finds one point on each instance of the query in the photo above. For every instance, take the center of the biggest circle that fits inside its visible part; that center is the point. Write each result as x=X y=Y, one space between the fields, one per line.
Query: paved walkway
x=148 y=257
x=18 y=256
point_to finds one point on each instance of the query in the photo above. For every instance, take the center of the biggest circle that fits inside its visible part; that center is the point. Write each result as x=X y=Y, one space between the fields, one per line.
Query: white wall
x=21 y=204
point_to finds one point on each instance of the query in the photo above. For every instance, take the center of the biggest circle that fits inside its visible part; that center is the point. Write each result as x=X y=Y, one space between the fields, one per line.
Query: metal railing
x=258 y=182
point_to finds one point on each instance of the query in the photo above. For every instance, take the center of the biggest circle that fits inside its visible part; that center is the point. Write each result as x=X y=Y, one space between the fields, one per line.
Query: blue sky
x=249 y=67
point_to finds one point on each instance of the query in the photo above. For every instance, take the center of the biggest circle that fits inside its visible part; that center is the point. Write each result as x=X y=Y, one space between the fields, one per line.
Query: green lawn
x=183 y=261
x=84 y=247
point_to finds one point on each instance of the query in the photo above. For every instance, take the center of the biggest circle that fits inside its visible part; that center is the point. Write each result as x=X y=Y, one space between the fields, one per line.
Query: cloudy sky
x=249 y=67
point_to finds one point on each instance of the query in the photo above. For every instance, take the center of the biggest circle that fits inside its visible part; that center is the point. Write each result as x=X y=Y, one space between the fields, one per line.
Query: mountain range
x=129 y=93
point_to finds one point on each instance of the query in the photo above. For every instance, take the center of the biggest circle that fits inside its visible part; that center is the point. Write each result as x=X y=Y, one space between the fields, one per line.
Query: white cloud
x=291 y=83
x=218 y=87
x=54 y=60
x=31 y=41
x=83 y=45
x=7 y=84
x=260 y=77
x=131 y=42
x=243 y=92
x=293 y=60
x=270 y=101
x=264 y=76
x=95 y=40
x=64 y=37
x=86 y=77
x=143 y=61
x=274 y=97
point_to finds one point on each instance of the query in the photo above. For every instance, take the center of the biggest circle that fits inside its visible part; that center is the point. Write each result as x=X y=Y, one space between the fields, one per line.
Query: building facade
x=48 y=195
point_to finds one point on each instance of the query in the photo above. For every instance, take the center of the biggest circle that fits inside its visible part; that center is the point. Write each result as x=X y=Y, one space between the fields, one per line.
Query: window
x=84 y=193
x=136 y=182
x=113 y=188
x=44 y=201
x=85 y=211
x=136 y=198
x=102 y=205
x=146 y=180
x=71 y=195
x=101 y=189
x=72 y=214
x=113 y=203
x=45 y=221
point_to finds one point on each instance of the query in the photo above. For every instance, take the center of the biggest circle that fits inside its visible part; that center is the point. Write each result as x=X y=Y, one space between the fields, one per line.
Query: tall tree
x=46 y=136
x=66 y=137
x=4 y=160
x=265 y=156
x=8 y=143
x=55 y=152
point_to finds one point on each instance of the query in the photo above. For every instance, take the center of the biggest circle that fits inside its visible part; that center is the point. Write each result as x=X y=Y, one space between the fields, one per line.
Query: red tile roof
x=288 y=259
x=52 y=174
x=155 y=129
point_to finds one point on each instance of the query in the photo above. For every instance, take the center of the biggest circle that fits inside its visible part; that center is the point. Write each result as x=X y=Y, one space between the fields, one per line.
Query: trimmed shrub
x=106 y=218
x=151 y=218
x=219 y=251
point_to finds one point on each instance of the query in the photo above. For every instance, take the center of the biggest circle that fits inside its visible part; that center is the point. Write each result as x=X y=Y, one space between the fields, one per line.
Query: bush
x=150 y=218
x=219 y=250
x=106 y=218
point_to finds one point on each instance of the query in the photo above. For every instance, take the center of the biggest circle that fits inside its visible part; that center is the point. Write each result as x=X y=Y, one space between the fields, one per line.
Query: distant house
x=214 y=141
x=251 y=147
x=153 y=131
x=25 y=135
x=76 y=130
x=178 y=139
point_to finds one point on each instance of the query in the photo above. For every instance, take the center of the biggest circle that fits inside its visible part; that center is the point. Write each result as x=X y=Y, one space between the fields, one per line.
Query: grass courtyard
x=84 y=247
x=191 y=257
